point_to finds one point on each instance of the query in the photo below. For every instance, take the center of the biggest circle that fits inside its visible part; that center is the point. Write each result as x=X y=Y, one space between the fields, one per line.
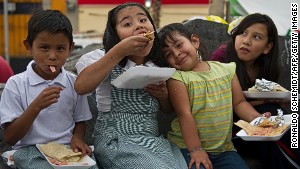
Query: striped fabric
x=30 y=157
x=211 y=103
x=128 y=136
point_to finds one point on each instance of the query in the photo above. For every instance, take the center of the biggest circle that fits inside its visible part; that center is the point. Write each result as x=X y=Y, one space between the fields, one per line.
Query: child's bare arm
x=91 y=76
x=77 y=141
x=241 y=107
x=180 y=101
x=17 y=129
x=181 y=104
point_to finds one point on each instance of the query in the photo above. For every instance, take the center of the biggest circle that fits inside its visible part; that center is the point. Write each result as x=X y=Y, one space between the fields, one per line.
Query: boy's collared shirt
x=54 y=123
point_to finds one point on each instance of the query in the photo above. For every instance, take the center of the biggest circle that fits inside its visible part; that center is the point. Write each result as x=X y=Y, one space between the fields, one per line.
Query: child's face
x=252 y=43
x=182 y=54
x=49 y=50
x=131 y=21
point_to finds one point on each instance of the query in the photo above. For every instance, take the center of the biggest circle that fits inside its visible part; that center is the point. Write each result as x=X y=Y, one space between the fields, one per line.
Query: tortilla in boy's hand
x=60 y=152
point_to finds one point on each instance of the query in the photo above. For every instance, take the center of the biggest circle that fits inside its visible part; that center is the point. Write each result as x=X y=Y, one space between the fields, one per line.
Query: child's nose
x=52 y=55
x=177 y=53
x=139 y=26
x=246 y=41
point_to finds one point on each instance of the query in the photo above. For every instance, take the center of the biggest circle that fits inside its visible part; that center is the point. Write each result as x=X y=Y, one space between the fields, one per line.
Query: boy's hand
x=47 y=97
x=158 y=91
x=78 y=145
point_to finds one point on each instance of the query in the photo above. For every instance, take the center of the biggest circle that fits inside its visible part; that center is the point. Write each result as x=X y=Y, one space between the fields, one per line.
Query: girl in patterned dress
x=203 y=95
x=126 y=131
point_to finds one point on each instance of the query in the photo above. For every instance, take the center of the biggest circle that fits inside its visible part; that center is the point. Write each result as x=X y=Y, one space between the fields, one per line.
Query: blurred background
x=89 y=17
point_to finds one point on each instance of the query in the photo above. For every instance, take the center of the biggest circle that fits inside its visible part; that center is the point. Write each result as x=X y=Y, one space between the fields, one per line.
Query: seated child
x=40 y=105
x=204 y=95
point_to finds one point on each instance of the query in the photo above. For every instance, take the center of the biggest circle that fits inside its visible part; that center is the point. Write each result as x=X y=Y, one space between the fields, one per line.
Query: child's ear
x=72 y=46
x=268 y=48
x=28 y=47
x=195 y=41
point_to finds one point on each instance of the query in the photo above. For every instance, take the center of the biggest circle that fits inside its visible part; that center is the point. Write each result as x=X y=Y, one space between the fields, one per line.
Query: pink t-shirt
x=5 y=70
x=219 y=54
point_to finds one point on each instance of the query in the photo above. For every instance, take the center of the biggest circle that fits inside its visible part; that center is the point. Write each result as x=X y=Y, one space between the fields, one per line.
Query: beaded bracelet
x=196 y=149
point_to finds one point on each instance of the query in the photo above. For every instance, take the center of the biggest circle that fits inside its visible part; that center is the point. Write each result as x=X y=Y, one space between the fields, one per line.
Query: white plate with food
x=269 y=134
x=7 y=157
x=139 y=77
x=83 y=163
x=267 y=95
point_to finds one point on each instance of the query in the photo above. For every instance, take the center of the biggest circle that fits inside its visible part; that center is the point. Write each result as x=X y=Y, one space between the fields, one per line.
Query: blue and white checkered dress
x=127 y=137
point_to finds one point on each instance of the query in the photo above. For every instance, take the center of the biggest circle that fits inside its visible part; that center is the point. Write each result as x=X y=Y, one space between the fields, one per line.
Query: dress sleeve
x=177 y=75
x=231 y=68
x=88 y=59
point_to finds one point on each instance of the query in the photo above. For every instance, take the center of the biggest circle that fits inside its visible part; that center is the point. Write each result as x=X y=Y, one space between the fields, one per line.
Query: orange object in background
x=59 y=5
x=18 y=17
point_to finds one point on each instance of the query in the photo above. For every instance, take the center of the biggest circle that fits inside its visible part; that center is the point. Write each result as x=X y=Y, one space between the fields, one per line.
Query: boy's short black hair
x=52 y=21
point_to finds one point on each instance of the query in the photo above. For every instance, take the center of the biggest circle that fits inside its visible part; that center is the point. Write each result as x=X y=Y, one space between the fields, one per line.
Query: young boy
x=40 y=105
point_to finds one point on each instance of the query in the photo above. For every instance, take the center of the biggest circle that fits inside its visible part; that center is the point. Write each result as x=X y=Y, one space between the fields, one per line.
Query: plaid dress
x=128 y=137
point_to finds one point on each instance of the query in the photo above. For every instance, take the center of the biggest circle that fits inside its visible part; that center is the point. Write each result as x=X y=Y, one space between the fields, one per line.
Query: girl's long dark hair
x=111 y=38
x=267 y=64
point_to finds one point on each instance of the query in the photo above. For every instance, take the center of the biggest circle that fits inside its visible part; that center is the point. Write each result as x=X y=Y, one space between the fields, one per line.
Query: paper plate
x=85 y=163
x=242 y=133
x=6 y=158
x=139 y=77
x=267 y=95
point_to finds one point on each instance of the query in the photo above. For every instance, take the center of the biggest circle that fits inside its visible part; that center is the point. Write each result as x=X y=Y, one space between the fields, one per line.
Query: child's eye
x=178 y=45
x=127 y=24
x=257 y=37
x=44 y=47
x=60 y=48
x=243 y=33
x=143 y=20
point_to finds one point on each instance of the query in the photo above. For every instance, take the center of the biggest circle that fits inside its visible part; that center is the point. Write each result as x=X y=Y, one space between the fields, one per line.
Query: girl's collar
x=131 y=64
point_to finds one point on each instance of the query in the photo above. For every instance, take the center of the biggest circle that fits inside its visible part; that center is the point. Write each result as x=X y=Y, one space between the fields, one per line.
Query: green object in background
x=236 y=9
x=288 y=34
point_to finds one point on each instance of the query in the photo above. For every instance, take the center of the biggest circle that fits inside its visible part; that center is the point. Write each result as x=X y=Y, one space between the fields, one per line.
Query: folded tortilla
x=261 y=130
x=60 y=152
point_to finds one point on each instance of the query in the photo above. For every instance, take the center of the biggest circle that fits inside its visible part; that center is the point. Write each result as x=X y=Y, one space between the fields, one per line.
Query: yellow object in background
x=59 y=5
x=234 y=24
x=216 y=19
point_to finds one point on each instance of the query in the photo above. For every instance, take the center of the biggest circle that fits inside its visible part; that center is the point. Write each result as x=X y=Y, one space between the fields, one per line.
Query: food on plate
x=265 y=128
x=52 y=68
x=266 y=123
x=149 y=35
x=267 y=86
x=11 y=158
x=60 y=152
